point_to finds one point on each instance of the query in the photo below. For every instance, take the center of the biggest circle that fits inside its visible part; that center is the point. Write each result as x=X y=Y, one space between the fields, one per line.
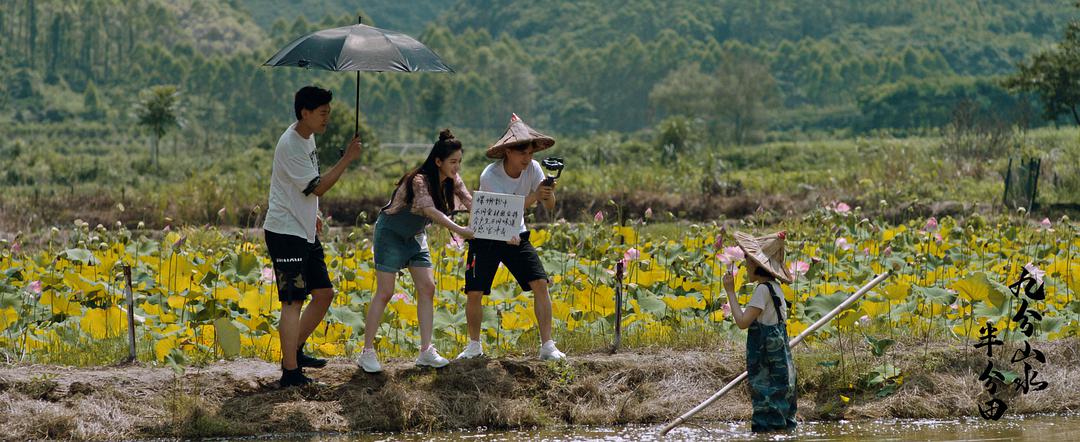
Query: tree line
x=733 y=68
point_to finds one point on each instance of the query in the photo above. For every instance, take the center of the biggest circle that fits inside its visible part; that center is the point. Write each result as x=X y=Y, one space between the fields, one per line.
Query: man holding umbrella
x=292 y=226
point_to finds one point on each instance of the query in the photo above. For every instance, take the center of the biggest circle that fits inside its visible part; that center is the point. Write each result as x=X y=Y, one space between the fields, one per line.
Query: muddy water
x=1029 y=428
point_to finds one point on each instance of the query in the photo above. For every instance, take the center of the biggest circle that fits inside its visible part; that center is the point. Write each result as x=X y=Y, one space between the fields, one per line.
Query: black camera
x=553 y=164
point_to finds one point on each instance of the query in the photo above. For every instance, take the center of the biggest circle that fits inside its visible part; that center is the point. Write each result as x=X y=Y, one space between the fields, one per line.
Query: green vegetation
x=568 y=66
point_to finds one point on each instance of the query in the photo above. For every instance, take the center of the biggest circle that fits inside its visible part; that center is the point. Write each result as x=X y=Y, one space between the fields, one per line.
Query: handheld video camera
x=553 y=164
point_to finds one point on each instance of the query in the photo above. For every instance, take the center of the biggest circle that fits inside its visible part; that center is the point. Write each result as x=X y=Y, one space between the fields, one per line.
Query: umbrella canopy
x=359 y=48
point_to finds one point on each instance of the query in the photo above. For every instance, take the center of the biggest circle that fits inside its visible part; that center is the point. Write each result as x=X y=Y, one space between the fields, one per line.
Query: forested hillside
x=736 y=69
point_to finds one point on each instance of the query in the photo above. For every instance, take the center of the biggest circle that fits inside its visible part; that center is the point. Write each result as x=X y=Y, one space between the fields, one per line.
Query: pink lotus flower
x=843 y=244
x=734 y=252
x=403 y=297
x=648 y=213
x=842 y=208
x=931 y=224
x=1035 y=272
x=267 y=274
x=730 y=255
x=34 y=287
x=631 y=254
x=799 y=268
x=599 y=217
x=1046 y=223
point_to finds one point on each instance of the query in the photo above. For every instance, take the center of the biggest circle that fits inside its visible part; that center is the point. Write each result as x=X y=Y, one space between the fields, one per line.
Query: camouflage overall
x=771 y=373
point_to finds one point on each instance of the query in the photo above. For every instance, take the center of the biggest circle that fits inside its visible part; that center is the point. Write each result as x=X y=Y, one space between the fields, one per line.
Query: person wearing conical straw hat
x=514 y=172
x=769 y=365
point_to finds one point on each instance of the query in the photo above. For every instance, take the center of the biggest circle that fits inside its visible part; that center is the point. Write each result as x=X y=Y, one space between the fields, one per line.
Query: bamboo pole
x=820 y=322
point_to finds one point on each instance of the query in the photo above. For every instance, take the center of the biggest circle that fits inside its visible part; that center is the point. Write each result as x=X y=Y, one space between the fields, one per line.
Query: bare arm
x=544 y=195
x=331 y=177
x=441 y=219
x=743 y=318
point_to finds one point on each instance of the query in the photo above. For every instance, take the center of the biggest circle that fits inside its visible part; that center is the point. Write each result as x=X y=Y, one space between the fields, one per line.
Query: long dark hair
x=441 y=192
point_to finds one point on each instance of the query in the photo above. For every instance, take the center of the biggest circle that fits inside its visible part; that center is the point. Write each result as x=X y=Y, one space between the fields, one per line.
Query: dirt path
x=240 y=397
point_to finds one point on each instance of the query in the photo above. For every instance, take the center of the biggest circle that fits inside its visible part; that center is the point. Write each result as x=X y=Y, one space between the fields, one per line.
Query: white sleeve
x=298 y=169
x=760 y=298
x=485 y=179
x=537 y=176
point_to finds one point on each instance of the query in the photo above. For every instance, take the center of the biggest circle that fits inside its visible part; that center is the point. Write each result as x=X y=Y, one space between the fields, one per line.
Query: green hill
x=410 y=17
x=832 y=66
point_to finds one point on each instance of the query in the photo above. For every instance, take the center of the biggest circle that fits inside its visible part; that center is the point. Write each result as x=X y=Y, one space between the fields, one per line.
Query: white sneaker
x=472 y=350
x=431 y=358
x=369 y=361
x=548 y=352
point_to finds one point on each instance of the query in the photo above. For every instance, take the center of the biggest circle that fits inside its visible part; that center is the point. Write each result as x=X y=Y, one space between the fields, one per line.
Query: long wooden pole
x=820 y=322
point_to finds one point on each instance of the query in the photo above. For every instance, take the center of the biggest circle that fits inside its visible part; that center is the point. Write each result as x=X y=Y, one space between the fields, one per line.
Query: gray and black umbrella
x=359 y=48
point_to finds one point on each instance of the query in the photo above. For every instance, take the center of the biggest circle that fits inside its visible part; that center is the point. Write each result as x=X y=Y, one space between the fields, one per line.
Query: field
x=204 y=293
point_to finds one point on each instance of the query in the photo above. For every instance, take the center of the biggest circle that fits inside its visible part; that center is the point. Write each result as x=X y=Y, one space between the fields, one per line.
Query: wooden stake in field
x=820 y=322
x=130 y=315
x=618 y=307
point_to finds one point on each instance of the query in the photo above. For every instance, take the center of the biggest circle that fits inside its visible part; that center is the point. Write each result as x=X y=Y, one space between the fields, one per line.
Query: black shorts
x=299 y=266
x=484 y=257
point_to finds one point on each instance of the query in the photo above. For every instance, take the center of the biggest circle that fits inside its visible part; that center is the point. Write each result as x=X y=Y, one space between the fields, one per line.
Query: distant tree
x=735 y=100
x=94 y=109
x=340 y=130
x=1052 y=75
x=159 y=111
x=673 y=138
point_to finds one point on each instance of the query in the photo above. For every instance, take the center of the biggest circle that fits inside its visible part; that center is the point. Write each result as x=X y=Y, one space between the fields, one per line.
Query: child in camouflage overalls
x=769 y=363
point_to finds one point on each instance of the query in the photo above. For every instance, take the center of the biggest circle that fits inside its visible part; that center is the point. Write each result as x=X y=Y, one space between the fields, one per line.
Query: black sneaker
x=294 y=378
x=304 y=360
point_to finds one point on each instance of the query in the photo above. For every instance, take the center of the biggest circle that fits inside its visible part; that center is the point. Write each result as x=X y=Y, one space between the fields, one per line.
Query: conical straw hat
x=517 y=134
x=767 y=252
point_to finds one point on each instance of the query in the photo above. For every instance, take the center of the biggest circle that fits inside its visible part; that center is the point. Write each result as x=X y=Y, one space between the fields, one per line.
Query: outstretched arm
x=441 y=219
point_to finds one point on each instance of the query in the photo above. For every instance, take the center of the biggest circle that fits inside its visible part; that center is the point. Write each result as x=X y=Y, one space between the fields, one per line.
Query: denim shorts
x=394 y=251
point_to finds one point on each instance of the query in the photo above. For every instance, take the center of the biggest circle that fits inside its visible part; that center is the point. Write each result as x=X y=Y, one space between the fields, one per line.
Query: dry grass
x=654 y=385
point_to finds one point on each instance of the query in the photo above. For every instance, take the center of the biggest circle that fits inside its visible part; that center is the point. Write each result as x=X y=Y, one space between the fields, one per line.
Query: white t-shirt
x=762 y=300
x=296 y=164
x=495 y=179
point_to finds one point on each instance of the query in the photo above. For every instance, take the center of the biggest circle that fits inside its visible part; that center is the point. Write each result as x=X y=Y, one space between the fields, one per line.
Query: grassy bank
x=642 y=385
x=55 y=173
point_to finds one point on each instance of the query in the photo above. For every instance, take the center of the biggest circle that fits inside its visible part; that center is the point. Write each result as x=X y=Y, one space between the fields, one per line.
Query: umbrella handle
x=356 y=127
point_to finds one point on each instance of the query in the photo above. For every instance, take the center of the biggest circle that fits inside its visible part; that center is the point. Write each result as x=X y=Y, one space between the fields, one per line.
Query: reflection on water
x=1033 y=428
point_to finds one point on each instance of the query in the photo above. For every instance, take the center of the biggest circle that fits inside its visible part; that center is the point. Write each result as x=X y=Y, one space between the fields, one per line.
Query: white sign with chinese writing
x=496 y=216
